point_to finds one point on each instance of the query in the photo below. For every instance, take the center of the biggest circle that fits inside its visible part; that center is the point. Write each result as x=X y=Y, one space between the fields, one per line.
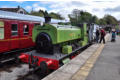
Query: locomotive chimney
x=47 y=19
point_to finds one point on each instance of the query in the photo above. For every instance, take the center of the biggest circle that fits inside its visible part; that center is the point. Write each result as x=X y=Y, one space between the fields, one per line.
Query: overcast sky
x=95 y=7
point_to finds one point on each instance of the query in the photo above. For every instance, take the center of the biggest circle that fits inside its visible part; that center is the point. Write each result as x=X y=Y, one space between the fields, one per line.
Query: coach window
x=1 y=30
x=26 y=29
x=14 y=29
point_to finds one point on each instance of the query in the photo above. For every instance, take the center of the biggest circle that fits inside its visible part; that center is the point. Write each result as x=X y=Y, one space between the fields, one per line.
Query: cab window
x=14 y=29
x=1 y=30
x=26 y=29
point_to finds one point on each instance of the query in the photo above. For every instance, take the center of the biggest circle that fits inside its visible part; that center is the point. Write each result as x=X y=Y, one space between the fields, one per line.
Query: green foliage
x=55 y=15
x=73 y=21
x=60 y=23
x=46 y=13
x=77 y=17
x=85 y=17
x=110 y=19
x=37 y=14
x=42 y=13
x=102 y=22
x=95 y=19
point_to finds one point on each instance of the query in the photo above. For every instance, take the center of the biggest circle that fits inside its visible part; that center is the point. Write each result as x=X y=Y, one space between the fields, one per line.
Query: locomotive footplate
x=44 y=62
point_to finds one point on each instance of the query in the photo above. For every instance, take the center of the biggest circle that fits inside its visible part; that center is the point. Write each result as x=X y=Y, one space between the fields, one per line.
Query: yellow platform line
x=86 y=68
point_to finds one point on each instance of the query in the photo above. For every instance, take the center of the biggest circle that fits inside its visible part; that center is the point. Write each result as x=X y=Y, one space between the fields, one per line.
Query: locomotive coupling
x=42 y=69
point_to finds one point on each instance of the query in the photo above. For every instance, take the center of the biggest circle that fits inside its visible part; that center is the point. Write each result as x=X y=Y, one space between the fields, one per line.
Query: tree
x=85 y=17
x=46 y=14
x=78 y=17
x=102 y=22
x=56 y=16
x=95 y=19
x=42 y=13
x=110 y=19
x=35 y=13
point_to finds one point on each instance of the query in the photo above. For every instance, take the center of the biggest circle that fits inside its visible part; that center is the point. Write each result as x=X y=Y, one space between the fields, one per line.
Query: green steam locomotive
x=60 y=37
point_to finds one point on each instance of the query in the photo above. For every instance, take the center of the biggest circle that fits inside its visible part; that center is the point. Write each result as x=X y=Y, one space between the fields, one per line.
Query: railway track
x=10 y=56
x=18 y=71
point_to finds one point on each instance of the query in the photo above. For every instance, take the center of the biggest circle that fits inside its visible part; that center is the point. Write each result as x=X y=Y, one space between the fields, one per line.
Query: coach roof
x=17 y=16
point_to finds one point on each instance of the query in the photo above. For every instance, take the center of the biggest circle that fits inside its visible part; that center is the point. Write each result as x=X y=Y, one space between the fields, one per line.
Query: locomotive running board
x=74 y=53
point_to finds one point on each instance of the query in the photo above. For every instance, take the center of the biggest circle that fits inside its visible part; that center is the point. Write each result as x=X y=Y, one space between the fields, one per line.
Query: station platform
x=107 y=67
x=97 y=62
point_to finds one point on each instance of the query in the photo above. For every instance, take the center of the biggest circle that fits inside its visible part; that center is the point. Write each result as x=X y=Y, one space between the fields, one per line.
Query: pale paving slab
x=70 y=68
x=78 y=61
x=59 y=76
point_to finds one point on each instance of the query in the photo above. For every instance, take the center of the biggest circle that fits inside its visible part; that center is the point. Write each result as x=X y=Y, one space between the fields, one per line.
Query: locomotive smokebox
x=47 y=19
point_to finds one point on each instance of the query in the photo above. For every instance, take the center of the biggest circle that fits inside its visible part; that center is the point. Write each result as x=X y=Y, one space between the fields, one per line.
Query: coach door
x=25 y=35
x=14 y=26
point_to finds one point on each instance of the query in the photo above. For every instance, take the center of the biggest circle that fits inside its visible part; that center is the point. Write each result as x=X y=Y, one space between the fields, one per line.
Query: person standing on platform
x=113 y=35
x=102 y=37
x=97 y=35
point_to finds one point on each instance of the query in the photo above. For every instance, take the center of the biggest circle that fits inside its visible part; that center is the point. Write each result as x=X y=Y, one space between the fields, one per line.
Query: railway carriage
x=16 y=31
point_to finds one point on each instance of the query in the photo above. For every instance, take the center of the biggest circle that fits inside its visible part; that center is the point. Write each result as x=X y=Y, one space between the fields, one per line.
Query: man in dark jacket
x=97 y=35
x=102 y=37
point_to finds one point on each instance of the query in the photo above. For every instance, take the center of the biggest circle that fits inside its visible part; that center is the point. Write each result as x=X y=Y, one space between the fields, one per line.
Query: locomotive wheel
x=43 y=43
